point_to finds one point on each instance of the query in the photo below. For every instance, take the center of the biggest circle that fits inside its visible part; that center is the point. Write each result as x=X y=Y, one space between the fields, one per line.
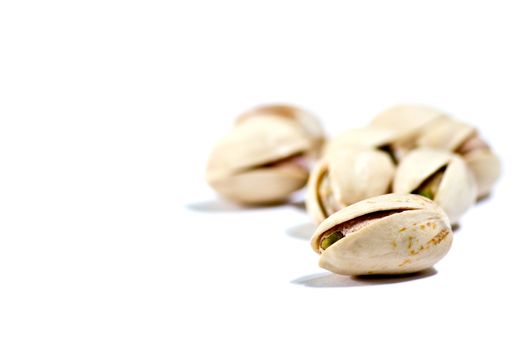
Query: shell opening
x=429 y=187
x=340 y=231
x=390 y=152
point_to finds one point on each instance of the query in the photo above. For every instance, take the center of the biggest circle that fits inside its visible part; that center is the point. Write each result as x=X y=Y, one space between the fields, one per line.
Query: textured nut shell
x=392 y=201
x=359 y=174
x=407 y=119
x=263 y=185
x=447 y=134
x=486 y=168
x=457 y=190
x=405 y=242
x=306 y=121
x=252 y=144
x=313 y=204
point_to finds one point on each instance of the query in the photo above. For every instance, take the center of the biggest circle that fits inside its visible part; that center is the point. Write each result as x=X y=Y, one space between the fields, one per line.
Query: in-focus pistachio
x=439 y=175
x=388 y=234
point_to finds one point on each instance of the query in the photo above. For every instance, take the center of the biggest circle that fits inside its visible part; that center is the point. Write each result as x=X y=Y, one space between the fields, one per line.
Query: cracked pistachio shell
x=346 y=177
x=258 y=162
x=457 y=190
x=388 y=234
x=463 y=139
x=305 y=121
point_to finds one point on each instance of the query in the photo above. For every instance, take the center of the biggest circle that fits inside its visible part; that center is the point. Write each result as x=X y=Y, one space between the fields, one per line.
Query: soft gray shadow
x=299 y=205
x=456 y=227
x=302 y=231
x=214 y=206
x=218 y=206
x=329 y=280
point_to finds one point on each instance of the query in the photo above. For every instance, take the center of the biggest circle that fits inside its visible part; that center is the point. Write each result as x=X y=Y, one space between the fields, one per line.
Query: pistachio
x=439 y=175
x=464 y=140
x=388 y=234
x=346 y=177
x=261 y=161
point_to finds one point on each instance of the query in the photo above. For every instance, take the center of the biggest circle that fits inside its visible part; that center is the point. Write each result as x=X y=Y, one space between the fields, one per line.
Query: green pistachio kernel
x=430 y=186
x=331 y=239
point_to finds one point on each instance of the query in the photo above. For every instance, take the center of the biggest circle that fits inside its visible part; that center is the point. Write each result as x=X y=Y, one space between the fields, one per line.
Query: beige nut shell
x=457 y=190
x=450 y=135
x=236 y=165
x=405 y=242
x=354 y=174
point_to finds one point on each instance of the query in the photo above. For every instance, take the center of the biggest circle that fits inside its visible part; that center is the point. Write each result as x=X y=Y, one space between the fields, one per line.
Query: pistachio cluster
x=383 y=196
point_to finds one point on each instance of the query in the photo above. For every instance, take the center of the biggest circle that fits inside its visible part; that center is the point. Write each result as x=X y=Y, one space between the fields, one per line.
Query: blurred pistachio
x=259 y=162
x=463 y=139
x=440 y=175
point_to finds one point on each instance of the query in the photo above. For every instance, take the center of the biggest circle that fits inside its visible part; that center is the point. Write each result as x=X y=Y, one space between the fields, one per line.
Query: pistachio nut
x=307 y=123
x=388 y=234
x=345 y=177
x=463 y=139
x=259 y=162
x=438 y=175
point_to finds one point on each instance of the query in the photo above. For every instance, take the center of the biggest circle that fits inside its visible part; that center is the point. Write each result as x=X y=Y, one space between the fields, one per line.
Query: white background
x=109 y=236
